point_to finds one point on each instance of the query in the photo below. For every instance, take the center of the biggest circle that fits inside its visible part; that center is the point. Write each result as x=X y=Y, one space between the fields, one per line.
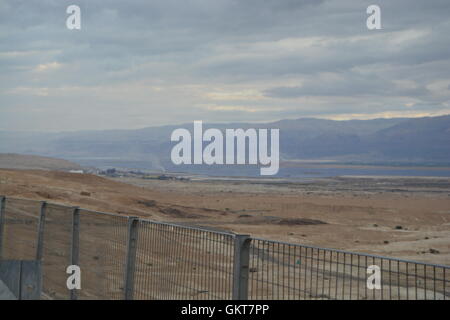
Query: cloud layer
x=141 y=63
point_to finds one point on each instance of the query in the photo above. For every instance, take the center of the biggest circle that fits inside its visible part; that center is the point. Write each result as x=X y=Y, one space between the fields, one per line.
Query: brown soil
x=385 y=216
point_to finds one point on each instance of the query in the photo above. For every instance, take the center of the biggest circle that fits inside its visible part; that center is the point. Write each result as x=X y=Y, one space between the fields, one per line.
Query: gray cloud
x=352 y=84
x=142 y=63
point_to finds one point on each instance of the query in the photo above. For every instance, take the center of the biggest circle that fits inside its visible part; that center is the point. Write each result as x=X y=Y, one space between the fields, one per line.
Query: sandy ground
x=399 y=217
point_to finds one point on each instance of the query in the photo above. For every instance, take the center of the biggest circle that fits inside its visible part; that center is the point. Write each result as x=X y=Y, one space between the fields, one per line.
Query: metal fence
x=178 y=262
x=123 y=257
x=287 y=271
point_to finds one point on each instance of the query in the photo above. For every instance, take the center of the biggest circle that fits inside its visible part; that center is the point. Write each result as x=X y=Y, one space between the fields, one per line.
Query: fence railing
x=281 y=270
x=123 y=257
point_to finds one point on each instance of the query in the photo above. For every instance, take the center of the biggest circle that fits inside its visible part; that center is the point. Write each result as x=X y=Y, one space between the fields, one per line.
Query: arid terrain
x=399 y=217
x=21 y=161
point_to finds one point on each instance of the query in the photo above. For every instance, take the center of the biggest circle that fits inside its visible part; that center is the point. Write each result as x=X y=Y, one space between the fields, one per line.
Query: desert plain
x=398 y=217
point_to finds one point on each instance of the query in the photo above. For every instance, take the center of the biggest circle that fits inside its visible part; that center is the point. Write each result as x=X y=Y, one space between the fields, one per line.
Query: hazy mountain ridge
x=370 y=141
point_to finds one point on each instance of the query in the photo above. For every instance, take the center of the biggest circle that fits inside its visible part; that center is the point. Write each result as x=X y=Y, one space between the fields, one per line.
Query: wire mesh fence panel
x=57 y=250
x=287 y=271
x=102 y=249
x=277 y=271
x=21 y=218
x=181 y=262
x=176 y=262
x=425 y=282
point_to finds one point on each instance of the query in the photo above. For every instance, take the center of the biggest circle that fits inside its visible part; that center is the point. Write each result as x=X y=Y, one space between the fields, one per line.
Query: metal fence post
x=40 y=237
x=75 y=247
x=2 y=221
x=241 y=266
x=130 y=263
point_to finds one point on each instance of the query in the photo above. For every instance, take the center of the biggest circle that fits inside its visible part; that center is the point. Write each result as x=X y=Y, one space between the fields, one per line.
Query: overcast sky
x=142 y=63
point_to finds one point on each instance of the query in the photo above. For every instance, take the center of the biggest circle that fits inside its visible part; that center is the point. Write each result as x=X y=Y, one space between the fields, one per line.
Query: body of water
x=284 y=172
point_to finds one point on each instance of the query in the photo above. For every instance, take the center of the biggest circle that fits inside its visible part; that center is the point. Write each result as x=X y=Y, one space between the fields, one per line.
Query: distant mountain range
x=380 y=141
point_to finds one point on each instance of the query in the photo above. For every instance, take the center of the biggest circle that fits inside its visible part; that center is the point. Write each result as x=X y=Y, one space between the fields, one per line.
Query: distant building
x=76 y=171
